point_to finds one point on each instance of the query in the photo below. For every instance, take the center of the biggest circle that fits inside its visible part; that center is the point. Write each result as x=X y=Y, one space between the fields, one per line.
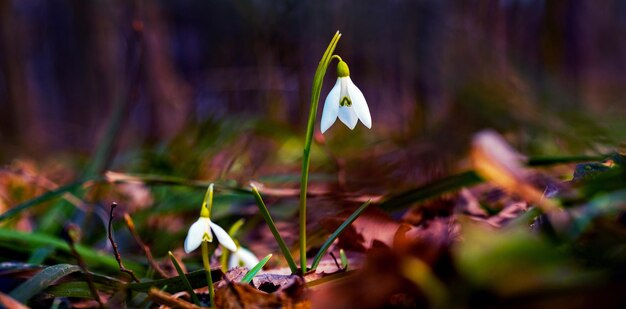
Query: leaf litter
x=471 y=245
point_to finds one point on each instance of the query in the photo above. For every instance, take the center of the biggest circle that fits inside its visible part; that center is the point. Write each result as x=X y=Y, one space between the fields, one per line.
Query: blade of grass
x=42 y=198
x=465 y=179
x=333 y=236
x=552 y=160
x=75 y=285
x=344 y=259
x=252 y=272
x=270 y=223
x=38 y=256
x=430 y=190
x=182 y=276
x=42 y=280
x=197 y=279
x=330 y=278
x=152 y=179
x=73 y=289
x=29 y=242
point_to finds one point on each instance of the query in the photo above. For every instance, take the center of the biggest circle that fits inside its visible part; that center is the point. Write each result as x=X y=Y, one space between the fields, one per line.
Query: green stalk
x=207 y=268
x=184 y=279
x=270 y=223
x=306 y=158
x=226 y=253
x=331 y=239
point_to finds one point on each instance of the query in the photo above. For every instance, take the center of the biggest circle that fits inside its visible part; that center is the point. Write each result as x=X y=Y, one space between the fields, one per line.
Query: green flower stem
x=207 y=267
x=224 y=259
x=182 y=276
x=306 y=158
x=270 y=223
x=334 y=236
x=232 y=233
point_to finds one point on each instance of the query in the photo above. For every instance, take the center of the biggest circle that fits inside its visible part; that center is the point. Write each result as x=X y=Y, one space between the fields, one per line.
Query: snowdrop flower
x=203 y=229
x=345 y=101
x=242 y=256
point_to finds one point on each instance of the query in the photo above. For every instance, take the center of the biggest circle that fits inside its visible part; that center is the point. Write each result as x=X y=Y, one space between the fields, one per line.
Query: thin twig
x=118 y=258
x=335 y=259
x=131 y=227
x=169 y=300
x=72 y=232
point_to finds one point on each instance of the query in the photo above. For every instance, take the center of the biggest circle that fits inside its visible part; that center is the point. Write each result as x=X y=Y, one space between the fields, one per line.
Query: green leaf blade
x=41 y=281
x=252 y=272
x=270 y=223
x=336 y=234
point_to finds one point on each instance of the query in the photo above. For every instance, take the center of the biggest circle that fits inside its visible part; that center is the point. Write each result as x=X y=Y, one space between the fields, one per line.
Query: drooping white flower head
x=203 y=229
x=345 y=101
x=242 y=256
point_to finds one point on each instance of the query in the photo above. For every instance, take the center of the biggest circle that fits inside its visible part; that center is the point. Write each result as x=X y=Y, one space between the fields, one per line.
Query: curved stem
x=306 y=158
x=336 y=57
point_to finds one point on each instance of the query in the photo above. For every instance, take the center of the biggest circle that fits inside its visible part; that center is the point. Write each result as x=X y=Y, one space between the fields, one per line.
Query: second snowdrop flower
x=204 y=229
x=243 y=257
x=345 y=101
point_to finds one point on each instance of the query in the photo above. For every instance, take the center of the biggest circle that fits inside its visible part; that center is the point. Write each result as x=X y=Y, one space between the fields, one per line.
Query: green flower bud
x=342 y=69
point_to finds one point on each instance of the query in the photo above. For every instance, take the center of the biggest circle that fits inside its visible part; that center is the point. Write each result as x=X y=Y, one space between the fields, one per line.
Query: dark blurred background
x=550 y=74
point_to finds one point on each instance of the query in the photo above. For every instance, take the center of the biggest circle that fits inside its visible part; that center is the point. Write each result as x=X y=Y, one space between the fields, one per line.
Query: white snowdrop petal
x=331 y=107
x=348 y=116
x=223 y=238
x=233 y=261
x=194 y=236
x=247 y=257
x=359 y=104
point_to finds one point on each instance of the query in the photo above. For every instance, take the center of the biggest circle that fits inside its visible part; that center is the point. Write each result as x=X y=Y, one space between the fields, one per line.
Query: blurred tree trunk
x=18 y=121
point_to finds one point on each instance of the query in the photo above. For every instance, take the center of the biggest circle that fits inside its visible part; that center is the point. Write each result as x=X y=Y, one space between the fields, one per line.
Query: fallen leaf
x=506 y=206
x=372 y=225
x=496 y=161
x=379 y=284
x=239 y=295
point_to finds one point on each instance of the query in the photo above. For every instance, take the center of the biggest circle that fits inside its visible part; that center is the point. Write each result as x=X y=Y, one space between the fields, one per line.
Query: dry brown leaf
x=496 y=161
x=239 y=296
x=372 y=225
x=429 y=240
x=379 y=284
x=509 y=208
